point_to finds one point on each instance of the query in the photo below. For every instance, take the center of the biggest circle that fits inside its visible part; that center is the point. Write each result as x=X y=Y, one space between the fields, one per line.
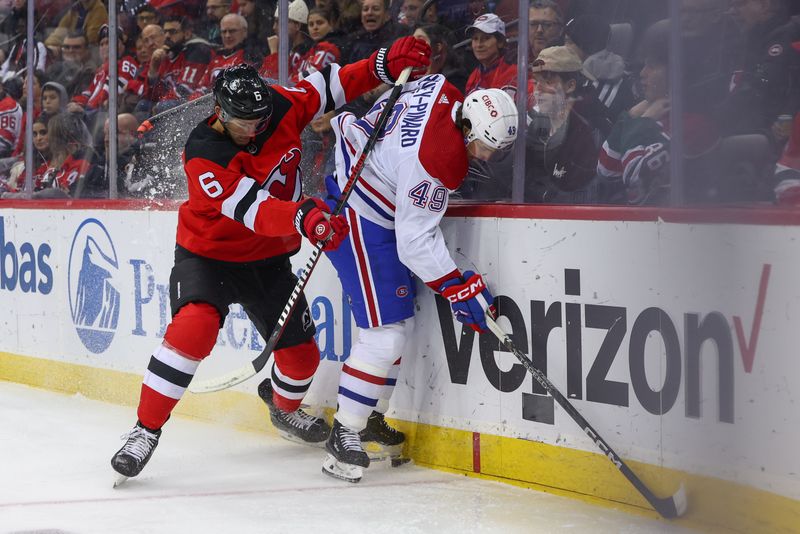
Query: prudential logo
x=93 y=299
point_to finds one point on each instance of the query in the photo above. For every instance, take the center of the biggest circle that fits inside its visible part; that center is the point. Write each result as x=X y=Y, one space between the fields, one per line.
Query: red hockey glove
x=313 y=221
x=470 y=300
x=388 y=63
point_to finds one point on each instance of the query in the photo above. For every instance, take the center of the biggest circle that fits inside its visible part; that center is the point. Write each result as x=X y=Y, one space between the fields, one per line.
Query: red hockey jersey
x=97 y=92
x=179 y=75
x=317 y=58
x=243 y=199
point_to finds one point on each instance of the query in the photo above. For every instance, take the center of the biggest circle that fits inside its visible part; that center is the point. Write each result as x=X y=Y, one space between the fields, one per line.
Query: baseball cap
x=489 y=23
x=298 y=11
x=559 y=59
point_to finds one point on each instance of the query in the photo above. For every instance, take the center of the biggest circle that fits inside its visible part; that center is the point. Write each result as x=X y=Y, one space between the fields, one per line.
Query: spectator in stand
x=787 y=171
x=215 y=11
x=328 y=42
x=488 y=37
x=96 y=94
x=76 y=69
x=41 y=161
x=10 y=124
x=259 y=24
x=233 y=29
x=299 y=41
x=17 y=57
x=96 y=184
x=635 y=158
x=561 y=156
x=141 y=51
x=39 y=79
x=176 y=69
x=145 y=16
x=411 y=11
x=84 y=16
x=377 y=30
x=546 y=27
x=71 y=152
x=443 y=60
x=587 y=36
x=54 y=100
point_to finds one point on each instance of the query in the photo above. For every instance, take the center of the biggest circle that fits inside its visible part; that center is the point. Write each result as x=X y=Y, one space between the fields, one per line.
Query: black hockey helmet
x=242 y=94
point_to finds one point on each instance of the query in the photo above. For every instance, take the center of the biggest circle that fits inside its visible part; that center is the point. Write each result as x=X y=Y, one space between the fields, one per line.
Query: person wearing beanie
x=299 y=41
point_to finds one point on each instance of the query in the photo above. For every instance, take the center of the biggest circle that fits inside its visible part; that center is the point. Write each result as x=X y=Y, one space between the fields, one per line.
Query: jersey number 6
x=210 y=185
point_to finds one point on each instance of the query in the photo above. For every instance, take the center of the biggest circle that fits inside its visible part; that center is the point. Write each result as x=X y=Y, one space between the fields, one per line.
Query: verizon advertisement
x=677 y=342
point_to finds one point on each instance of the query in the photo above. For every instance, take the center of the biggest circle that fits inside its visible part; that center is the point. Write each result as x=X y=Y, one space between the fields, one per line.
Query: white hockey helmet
x=492 y=116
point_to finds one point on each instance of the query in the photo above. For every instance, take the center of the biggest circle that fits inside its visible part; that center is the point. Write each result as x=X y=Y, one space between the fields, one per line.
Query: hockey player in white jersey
x=394 y=212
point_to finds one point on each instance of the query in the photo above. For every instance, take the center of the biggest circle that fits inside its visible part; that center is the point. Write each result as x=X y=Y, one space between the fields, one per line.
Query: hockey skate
x=382 y=442
x=134 y=455
x=296 y=426
x=346 y=457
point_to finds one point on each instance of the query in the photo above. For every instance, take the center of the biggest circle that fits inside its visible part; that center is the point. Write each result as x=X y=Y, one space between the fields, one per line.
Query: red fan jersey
x=97 y=92
x=243 y=199
x=499 y=75
x=221 y=61
x=179 y=75
x=317 y=58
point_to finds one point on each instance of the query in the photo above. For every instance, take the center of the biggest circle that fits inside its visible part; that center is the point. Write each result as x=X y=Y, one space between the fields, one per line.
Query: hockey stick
x=668 y=507
x=148 y=124
x=252 y=368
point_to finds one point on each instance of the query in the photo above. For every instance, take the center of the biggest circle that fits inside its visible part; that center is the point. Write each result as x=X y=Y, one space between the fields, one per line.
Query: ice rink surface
x=55 y=477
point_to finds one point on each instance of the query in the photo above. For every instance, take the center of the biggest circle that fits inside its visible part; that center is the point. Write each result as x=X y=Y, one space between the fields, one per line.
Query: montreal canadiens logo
x=94 y=300
x=402 y=291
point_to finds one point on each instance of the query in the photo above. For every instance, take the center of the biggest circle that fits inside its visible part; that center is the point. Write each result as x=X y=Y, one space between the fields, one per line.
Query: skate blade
x=379 y=453
x=294 y=439
x=347 y=472
x=120 y=480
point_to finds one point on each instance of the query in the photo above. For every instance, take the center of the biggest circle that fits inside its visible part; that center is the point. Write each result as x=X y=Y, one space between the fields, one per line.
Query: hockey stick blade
x=669 y=507
x=225 y=381
x=251 y=369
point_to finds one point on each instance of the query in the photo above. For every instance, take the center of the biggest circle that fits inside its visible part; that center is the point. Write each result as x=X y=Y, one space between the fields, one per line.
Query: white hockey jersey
x=410 y=172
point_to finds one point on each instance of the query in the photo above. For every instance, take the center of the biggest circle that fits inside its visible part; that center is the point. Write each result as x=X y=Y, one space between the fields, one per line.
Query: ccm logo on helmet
x=489 y=105
x=467 y=292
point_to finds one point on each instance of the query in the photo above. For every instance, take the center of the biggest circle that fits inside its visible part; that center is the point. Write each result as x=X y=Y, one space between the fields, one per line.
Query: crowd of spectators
x=597 y=94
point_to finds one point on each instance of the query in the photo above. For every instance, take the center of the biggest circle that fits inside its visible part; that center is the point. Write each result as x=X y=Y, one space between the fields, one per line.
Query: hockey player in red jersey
x=244 y=218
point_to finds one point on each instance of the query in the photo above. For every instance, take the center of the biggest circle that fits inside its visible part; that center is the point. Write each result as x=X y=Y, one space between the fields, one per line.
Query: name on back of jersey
x=414 y=119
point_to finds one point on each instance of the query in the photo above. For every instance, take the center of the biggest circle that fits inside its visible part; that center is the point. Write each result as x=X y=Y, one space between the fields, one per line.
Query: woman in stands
x=488 y=36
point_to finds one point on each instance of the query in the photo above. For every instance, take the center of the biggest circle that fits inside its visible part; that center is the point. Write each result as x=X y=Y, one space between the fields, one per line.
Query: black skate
x=346 y=457
x=134 y=455
x=382 y=441
x=297 y=426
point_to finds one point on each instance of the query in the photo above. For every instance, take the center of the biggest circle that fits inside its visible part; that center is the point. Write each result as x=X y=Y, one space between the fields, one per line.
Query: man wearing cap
x=96 y=94
x=488 y=37
x=299 y=40
x=562 y=146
